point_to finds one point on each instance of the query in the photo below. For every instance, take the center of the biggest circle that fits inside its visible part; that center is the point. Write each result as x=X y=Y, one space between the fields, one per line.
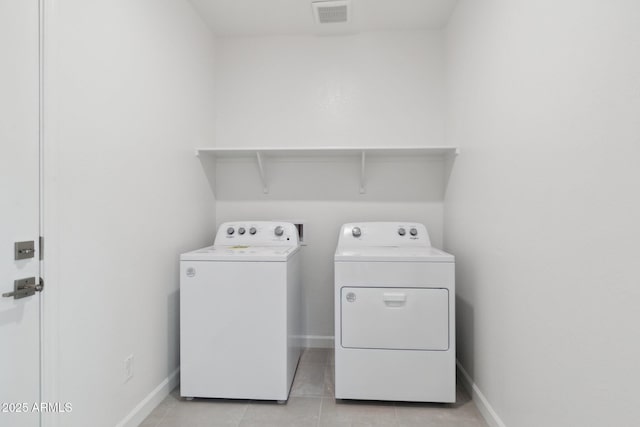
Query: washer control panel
x=384 y=234
x=257 y=233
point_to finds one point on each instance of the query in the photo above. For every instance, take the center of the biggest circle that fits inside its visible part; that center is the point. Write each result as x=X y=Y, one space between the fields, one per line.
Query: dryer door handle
x=394 y=299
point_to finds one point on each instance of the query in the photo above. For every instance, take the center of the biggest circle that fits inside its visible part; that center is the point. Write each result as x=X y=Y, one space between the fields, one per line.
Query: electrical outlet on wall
x=128 y=368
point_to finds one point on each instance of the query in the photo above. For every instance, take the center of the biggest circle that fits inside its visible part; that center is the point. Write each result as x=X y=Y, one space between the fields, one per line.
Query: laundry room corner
x=319 y=213
x=323 y=92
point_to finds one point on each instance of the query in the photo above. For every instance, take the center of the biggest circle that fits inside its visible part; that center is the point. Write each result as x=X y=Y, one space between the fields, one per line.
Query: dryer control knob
x=279 y=231
x=230 y=231
x=402 y=231
x=241 y=230
x=356 y=232
x=252 y=230
x=413 y=232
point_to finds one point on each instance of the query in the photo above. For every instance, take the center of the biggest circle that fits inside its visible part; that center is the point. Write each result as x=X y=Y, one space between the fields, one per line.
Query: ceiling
x=272 y=17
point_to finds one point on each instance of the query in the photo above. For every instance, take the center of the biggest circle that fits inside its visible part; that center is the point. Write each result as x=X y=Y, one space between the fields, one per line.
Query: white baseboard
x=153 y=399
x=317 y=341
x=479 y=398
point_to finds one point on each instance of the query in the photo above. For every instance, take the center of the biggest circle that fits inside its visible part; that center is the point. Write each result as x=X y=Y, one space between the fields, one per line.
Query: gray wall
x=543 y=205
x=129 y=90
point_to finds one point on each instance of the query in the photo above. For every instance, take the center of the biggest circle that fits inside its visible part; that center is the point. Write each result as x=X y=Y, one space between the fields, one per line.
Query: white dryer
x=394 y=315
x=240 y=319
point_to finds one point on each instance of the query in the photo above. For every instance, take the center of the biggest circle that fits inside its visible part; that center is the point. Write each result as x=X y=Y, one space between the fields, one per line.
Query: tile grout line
x=395 y=414
x=320 y=412
x=326 y=364
x=246 y=408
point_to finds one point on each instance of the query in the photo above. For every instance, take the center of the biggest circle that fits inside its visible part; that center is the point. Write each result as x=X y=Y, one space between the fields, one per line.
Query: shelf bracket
x=263 y=178
x=363 y=189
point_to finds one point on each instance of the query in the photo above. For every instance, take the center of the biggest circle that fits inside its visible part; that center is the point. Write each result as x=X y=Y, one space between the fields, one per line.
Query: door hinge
x=41 y=248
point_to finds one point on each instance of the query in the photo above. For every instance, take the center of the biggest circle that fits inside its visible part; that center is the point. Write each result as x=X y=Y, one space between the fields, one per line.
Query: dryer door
x=395 y=318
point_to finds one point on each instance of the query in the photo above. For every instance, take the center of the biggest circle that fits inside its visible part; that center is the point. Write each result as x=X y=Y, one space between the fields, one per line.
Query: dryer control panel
x=384 y=234
x=257 y=233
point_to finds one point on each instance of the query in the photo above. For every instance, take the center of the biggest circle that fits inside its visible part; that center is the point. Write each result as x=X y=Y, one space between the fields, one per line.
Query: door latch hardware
x=24 y=250
x=25 y=288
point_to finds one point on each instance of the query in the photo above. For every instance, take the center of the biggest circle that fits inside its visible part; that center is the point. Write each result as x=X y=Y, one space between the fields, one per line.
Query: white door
x=19 y=211
x=395 y=318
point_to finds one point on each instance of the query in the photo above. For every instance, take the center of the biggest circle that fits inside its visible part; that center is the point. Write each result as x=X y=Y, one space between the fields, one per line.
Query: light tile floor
x=311 y=403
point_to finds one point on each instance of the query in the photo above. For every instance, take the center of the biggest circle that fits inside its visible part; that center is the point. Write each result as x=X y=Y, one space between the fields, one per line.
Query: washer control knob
x=252 y=230
x=356 y=232
x=413 y=232
x=279 y=231
x=241 y=230
x=230 y=231
x=402 y=231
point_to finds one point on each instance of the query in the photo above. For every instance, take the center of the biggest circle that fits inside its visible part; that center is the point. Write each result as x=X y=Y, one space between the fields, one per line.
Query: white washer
x=240 y=320
x=394 y=315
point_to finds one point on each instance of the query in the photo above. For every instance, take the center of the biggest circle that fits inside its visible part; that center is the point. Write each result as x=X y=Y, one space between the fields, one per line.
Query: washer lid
x=241 y=253
x=392 y=254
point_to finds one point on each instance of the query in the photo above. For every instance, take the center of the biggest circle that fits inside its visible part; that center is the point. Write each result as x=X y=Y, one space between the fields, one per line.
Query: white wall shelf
x=362 y=153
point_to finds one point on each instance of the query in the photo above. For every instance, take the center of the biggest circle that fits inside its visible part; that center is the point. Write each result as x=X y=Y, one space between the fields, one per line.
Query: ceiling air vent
x=331 y=12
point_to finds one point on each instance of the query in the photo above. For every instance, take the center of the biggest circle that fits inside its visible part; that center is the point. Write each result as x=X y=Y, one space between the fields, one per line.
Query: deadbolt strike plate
x=24 y=250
